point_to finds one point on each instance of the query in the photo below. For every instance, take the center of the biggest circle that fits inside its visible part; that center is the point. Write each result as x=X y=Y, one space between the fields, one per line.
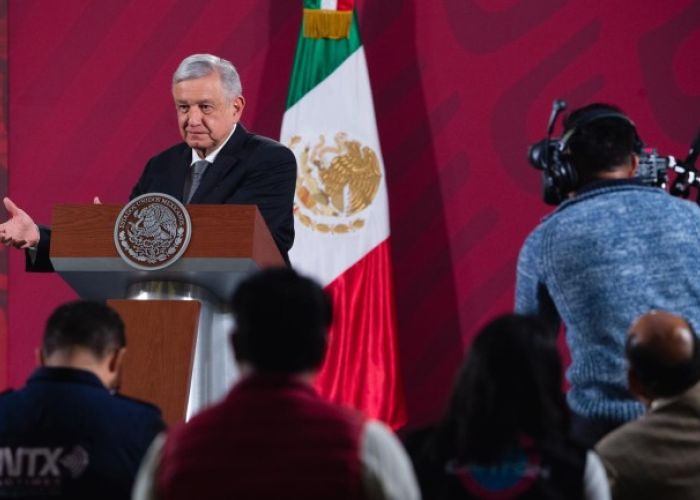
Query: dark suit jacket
x=69 y=436
x=249 y=169
x=658 y=455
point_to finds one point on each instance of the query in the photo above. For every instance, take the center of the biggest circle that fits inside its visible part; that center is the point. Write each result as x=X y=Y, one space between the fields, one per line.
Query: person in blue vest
x=67 y=433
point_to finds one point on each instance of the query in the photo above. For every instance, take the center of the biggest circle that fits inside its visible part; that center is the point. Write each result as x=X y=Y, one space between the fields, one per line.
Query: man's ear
x=116 y=359
x=638 y=389
x=634 y=164
x=238 y=105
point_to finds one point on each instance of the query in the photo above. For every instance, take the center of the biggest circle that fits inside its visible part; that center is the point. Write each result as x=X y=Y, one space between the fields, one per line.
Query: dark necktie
x=196 y=172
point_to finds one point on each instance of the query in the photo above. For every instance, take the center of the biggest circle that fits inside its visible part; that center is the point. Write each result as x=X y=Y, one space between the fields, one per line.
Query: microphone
x=557 y=107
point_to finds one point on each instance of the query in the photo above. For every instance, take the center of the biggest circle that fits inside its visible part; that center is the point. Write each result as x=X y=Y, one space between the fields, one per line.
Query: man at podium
x=218 y=162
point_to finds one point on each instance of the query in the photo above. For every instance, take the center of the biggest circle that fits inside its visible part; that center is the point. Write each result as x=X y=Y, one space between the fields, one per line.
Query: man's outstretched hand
x=19 y=231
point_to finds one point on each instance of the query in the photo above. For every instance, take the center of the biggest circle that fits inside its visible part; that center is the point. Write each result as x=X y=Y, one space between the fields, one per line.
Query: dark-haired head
x=84 y=324
x=87 y=335
x=663 y=354
x=282 y=320
x=600 y=143
x=509 y=387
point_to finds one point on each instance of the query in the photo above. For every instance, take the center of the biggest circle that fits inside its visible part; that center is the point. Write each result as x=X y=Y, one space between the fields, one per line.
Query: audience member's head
x=602 y=139
x=663 y=354
x=281 y=322
x=85 y=335
x=508 y=387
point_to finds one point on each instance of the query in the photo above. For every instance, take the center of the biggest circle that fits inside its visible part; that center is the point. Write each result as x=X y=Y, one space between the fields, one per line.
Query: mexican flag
x=341 y=209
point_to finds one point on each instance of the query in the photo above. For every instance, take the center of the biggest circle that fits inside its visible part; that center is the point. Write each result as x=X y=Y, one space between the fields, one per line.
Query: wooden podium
x=172 y=314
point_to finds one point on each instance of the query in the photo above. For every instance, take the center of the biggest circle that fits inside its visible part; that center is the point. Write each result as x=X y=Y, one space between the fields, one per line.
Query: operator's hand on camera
x=19 y=231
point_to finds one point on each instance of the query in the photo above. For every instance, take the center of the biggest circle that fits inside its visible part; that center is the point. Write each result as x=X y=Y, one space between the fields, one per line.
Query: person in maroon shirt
x=273 y=436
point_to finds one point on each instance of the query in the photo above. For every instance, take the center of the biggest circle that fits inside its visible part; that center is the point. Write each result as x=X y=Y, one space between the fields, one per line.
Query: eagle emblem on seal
x=335 y=183
x=155 y=227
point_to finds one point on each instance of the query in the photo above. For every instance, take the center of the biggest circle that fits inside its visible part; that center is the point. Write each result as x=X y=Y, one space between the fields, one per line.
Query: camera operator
x=612 y=250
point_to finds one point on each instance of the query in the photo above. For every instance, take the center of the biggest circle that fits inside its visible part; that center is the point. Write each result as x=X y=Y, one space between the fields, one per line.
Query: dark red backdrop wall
x=461 y=88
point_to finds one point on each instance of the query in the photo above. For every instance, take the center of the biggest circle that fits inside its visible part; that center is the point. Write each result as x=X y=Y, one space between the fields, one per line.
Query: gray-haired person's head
x=200 y=65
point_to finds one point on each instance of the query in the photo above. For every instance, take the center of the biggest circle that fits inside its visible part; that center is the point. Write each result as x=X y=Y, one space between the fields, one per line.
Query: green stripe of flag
x=316 y=59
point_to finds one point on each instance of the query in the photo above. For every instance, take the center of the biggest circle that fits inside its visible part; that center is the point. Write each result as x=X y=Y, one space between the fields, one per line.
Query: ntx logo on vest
x=40 y=466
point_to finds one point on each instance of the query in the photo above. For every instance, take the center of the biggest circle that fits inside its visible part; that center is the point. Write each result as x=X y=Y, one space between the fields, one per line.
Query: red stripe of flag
x=362 y=369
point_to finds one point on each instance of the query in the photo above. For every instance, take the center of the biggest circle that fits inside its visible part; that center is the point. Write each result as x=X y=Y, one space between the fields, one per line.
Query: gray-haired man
x=240 y=168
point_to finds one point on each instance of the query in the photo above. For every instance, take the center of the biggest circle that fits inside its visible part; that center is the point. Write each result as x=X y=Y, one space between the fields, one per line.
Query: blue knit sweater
x=601 y=259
